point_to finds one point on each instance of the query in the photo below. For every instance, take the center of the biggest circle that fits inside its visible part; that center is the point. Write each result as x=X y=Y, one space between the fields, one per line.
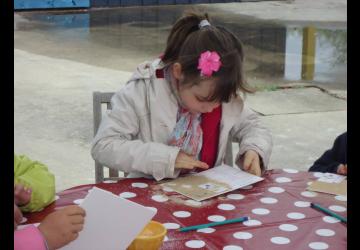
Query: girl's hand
x=62 y=226
x=251 y=162
x=17 y=216
x=22 y=195
x=342 y=169
x=185 y=161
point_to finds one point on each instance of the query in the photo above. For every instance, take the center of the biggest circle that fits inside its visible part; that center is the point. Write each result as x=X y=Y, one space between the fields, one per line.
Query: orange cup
x=150 y=238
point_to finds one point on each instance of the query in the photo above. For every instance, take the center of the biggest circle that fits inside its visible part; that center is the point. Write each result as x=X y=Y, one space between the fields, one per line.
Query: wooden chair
x=99 y=99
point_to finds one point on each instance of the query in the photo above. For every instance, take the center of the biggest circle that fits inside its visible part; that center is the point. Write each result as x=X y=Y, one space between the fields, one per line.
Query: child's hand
x=186 y=161
x=251 y=162
x=62 y=226
x=342 y=169
x=17 y=216
x=22 y=196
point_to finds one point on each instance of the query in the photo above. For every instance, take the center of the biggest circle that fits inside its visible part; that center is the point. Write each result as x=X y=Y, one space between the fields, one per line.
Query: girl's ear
x=176 y=70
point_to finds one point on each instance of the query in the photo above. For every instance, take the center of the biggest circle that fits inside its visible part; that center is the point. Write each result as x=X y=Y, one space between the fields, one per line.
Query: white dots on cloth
x=330 y=219
x=57 y=197
x=337 y=208
x=318 y=174
x=280 y=240
x=308 y=194
x=247 y=187
x=226 y=207
x=167 y=189
x=232 y=247
x=288 y=227
x=171 y=225
x=318 y=245
x=268 y=200
x=260 y=211
x=235 y=196
x=153 y=209
x=282 y=180
x=276 y=190
x=252 y=223
x=160 y=198
x=207 y=230
x=242 y=235
x=302 y=204
x=110 y=181
x=309 y=183
x=341 y=198
x=193 y=203
x=290 y=170
x=216 y=218
x=126 y=195
x=195 y=244
x=325 y=232
x=139 y=185
x=166 y=238
x=78 y=201
x=295 y=216
x=182 y=214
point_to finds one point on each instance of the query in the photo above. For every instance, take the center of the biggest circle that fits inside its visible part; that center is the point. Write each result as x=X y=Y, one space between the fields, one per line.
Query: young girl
x=178 y=112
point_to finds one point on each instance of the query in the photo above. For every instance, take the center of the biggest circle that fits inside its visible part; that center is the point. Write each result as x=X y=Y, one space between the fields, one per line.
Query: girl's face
x=195 y=97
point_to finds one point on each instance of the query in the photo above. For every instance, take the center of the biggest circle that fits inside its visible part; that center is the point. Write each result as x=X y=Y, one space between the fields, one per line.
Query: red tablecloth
x=278 y=207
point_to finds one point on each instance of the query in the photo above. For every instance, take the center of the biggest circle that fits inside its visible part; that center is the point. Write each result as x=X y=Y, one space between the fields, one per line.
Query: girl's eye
x=201 y=99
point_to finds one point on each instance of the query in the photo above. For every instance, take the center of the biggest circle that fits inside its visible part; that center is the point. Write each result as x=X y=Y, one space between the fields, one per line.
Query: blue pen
x=195 y=227
x=327 y=211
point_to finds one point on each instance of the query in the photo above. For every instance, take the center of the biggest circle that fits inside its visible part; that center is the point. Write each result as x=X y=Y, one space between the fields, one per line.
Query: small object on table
x=327 y=211
x=201 y=226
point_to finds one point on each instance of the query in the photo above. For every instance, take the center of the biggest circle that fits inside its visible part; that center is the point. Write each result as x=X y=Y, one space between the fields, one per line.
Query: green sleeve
x=34 y=174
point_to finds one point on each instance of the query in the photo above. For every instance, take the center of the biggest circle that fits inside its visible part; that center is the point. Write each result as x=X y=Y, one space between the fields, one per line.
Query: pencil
x=327 y=211
x=195 y=227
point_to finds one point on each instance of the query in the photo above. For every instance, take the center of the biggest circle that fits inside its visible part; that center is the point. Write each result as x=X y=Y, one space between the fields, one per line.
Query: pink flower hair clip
x=208 y=63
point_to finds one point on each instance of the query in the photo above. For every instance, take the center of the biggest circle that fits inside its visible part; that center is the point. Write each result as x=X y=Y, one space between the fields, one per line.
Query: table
x=278 y=207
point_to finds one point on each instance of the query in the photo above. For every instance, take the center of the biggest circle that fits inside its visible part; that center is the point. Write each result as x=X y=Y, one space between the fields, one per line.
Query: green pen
x=327 y=211
x=201 y=226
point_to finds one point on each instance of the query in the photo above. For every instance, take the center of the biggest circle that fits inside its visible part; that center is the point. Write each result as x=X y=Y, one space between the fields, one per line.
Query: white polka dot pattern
x=182 y=214
x=341 y=198
x=110 y=181
x=159 y=198
x=171 y=225
x=126 y=195
x=216 y=218
x=23 y=220
x=276 y=190
x=288 y=227
x=318 y=245
x=295 y=216
x=337 y=208
x=193 y=203
x=280 y=240
x=260 y=211
x=167 y=189
x=195 y=244
x=243 y=235
x=235 y=196
x=290 y=170
x=308 y=194
x=302 y=204
x=207 y=230
x=251 y=223
x=57 y=197
x=325 y=232
x=282 y=180
x=139 y=185
x=226 y=207
x=330 y=219
x=78 y=201
x=232 y=247
x=268 y=200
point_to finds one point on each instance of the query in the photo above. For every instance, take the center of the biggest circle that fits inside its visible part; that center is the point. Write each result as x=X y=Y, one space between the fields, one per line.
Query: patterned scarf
x=187 y=133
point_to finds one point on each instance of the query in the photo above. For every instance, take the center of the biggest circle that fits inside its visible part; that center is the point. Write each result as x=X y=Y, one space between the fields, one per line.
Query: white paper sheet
x=111 y=222
x=212 y=182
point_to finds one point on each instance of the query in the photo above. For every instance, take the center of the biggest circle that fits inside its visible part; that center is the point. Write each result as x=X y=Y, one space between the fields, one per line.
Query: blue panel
x=49 y=4
x=199 y=1
x=114 y=2
x=131 y=2
x=166 y=2
x=182 y=1
x=149 y=2
x=99 y=3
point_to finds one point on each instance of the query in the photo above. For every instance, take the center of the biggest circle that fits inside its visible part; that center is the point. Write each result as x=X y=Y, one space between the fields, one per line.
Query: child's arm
x=116 y=145
x=34 y=175
x=252 y=136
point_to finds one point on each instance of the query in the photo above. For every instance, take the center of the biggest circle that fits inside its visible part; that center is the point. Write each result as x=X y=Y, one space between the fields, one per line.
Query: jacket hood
x=146 y=70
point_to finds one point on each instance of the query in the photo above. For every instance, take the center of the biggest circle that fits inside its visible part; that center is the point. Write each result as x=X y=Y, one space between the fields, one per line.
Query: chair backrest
x=99 y=99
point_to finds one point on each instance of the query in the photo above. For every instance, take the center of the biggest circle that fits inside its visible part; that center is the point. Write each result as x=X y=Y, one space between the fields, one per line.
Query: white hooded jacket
x=133 y=135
